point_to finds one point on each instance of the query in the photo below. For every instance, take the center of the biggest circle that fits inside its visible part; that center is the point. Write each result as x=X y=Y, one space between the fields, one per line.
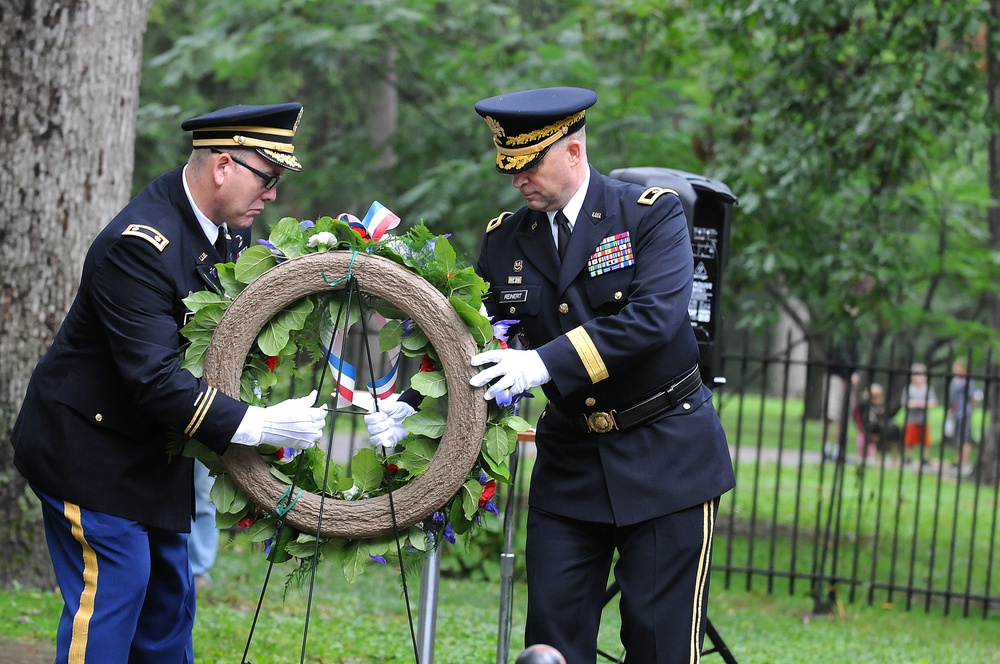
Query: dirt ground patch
x=13 y=651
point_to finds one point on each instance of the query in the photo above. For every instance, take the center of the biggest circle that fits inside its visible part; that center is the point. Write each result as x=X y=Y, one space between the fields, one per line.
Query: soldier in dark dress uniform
x=92 y=437
x=631 y=456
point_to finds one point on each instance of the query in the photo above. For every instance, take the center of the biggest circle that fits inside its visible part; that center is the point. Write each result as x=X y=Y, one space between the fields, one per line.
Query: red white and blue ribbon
x=345 y=374
x=378 y=220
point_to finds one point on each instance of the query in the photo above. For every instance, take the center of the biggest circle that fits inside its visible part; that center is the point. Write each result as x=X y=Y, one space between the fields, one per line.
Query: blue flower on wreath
x=501 y=327
x=280 y=257
x=379 y=559
x=448 y=533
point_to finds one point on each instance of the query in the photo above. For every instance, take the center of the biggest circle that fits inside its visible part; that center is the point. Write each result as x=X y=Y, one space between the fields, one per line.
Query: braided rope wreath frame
x=467 y=410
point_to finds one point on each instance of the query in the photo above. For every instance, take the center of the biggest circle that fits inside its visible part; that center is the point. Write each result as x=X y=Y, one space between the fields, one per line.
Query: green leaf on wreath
x=262 y=529
x=226 y=520
x=379 y=546
x=231 y=286
x=468 y=286
x=226 y=496
x=445 y=253
x=342 y=316
x=274 y=336
x=518 y=423
x=498 y=469
x=470 y=492
x=417 y=538
x=279 y=475
x=254 y=262
x=477 y=324
x=417 y=455
x=426 y=423
x=496 y=441
x=279 y=554
x=287 y=237
x=430 y=383
x=389 y=311
x=415 y=341
x=194 y=356
x=355 y=560
x=304 y=546
x=390 y=336
x=367 y=470
x=196 y=301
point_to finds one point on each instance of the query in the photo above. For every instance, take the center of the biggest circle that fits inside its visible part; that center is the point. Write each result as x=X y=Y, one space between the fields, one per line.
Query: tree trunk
x=988 y=459
x=69 y=88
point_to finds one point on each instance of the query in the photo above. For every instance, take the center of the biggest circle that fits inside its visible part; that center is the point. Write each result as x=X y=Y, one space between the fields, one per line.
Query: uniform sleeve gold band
x=201 y=411
x=587 y=351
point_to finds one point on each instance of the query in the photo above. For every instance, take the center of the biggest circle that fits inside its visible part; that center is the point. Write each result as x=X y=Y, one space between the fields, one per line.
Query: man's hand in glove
x=516 y=370
x=291 y=423
x=385 y=427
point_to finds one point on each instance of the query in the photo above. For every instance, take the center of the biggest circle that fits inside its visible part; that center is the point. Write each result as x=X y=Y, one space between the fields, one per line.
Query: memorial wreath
x=303 y=335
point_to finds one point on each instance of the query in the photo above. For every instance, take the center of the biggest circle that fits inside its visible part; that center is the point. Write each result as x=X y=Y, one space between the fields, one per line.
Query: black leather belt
x=635 y=415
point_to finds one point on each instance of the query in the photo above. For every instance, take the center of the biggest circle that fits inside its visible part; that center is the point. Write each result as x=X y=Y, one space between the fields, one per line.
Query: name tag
x=514 y=296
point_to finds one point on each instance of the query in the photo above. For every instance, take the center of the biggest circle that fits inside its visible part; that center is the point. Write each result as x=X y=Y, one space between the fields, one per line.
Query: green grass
x=366 y=623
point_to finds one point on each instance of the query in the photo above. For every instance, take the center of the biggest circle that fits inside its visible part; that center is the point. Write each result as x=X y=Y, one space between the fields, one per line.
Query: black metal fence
x=826 y=501
x=848 y=498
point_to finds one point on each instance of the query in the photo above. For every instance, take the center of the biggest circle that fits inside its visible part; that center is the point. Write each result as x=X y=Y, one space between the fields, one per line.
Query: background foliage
x=854 y=133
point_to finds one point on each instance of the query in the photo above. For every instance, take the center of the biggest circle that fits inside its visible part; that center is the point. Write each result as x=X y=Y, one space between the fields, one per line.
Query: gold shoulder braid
x=650 y=195
x=496 y=221
x=149 y=234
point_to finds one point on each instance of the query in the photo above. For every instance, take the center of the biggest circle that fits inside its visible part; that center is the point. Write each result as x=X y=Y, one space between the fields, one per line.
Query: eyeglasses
x=269 y=180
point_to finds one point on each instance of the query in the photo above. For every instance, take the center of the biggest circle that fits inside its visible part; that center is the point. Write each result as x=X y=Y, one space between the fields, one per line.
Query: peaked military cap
x=526 y=124
x=268 y=129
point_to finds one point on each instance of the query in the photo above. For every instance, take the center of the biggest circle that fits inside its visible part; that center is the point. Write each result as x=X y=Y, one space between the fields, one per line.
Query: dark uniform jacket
x=109 y=394
x=610 y=335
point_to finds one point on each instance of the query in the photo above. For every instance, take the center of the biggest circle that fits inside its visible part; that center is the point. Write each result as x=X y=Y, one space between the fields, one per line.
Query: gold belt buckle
x=601 y=422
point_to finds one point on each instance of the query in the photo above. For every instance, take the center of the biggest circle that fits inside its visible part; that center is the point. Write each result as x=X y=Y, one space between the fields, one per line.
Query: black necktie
x=563 y=230
x=220 y=244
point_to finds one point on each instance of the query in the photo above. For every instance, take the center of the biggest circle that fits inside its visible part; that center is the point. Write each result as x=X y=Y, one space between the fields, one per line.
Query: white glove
x=385 y=427
x=291 y=423
x=519 y=371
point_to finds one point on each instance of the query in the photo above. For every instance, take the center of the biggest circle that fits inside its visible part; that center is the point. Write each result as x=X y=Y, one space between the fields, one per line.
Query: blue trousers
x=127 y=589
x=204 y=540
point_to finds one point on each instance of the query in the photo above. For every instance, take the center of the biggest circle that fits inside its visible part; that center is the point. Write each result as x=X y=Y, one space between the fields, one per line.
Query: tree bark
x=69 y=88
x=988 y=458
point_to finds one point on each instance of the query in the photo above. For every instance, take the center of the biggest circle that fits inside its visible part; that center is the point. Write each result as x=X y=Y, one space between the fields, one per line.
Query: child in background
x=918 y=398
x=962 y=397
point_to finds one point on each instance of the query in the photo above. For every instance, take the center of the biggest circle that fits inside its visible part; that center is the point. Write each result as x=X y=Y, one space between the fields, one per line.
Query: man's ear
x=574 y=148
x=218 y=164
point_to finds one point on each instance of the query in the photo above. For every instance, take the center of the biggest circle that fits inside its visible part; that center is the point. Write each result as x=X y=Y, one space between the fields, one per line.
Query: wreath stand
x=457 y=451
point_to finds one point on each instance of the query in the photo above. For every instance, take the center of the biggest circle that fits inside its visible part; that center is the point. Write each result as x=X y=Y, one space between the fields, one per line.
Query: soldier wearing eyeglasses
x=104 y=407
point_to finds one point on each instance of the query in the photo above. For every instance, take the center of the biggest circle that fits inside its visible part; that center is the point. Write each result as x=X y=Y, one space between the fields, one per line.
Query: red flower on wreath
x=271 y=362
x=427 y=364
x=245 y=522
x=488 y=490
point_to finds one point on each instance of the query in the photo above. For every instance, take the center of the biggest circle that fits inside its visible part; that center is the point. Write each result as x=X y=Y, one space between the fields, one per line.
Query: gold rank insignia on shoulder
x=147 y=233
x=650 y=195
x=496 y=221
